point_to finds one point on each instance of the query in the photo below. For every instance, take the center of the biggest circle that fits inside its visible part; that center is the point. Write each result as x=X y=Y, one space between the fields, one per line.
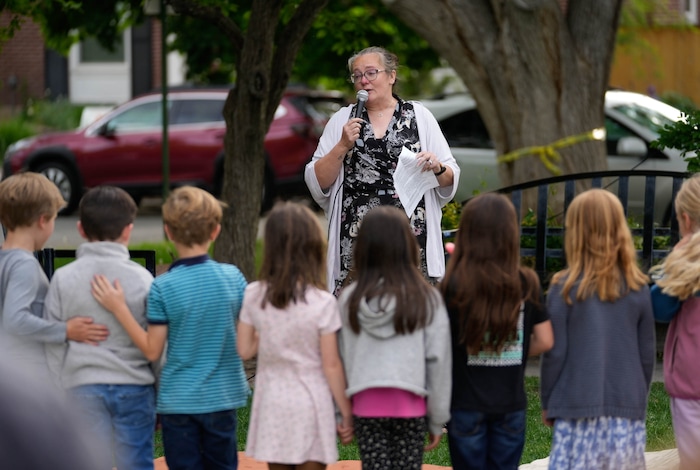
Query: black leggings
x=390 y=443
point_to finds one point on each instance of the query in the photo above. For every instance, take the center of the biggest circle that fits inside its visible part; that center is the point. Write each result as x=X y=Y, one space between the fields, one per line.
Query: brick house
x=89 y=74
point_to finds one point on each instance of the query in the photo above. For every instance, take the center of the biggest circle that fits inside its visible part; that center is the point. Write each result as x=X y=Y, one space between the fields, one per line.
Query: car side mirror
x=631 y=146
x=105 y=130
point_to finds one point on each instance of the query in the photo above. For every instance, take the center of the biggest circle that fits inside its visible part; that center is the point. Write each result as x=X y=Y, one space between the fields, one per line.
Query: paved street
x=147 y=228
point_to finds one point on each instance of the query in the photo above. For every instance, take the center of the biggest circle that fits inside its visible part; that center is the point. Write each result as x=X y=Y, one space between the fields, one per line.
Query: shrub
x=684 y=136
x=58 y=115
x=11 y=131
x=678 y=100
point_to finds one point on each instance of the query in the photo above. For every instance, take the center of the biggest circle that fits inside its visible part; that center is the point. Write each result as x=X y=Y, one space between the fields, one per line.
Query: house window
x=91 y=52
x=691 y=11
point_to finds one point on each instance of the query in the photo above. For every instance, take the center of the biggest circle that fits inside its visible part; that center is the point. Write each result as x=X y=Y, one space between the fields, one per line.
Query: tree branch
x=214 y=16
x=593 y=26
x=290 y=40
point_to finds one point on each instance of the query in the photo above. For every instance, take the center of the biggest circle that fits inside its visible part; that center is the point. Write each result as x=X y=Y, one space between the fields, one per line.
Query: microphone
x=362 y=96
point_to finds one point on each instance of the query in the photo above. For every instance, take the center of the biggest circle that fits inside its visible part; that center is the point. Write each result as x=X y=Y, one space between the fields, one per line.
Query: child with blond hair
x=595 y=380
x=29 y=204
x=675 y=300
x=194 y=306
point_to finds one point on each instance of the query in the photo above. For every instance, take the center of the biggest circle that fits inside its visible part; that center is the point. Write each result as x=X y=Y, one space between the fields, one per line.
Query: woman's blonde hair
x=681 y=268
x=600 y=253
x=390 y=60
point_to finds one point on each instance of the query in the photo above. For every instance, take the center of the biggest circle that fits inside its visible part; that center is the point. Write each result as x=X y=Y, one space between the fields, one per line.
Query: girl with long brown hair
x=291 y=322
x=395 y=346
x=595 y=381
x=497 y=321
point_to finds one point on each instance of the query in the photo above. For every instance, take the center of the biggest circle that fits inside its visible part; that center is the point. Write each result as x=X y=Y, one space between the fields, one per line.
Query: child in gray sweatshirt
x=113 y=383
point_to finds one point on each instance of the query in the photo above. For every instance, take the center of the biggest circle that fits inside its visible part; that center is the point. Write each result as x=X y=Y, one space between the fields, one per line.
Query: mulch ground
x=246 y=463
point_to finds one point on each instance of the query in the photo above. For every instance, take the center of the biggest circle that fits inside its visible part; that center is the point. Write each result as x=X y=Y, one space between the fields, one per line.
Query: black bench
x=47 y=258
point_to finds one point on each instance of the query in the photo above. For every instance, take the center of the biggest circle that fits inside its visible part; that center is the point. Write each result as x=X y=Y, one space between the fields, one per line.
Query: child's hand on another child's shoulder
x=111 y=297
x=84 y=330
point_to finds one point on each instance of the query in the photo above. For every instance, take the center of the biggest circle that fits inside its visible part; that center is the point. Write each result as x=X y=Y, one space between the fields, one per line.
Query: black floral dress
x=369 y=182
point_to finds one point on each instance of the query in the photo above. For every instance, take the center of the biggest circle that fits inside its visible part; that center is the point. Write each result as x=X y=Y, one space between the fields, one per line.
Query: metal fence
x=655 y=232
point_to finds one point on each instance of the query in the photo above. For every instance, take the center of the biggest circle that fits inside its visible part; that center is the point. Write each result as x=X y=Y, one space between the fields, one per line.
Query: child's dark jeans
x=200 y=441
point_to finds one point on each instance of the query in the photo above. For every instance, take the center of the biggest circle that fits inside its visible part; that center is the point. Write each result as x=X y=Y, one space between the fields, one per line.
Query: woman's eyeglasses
x=370 y=75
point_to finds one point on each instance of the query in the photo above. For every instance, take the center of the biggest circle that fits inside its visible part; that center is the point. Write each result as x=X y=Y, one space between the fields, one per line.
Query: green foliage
x=678 y=100
x=684 y=136
x=450 y=215
x=165 y=251
x=341 y=29
x=210 y=59
x=13 y=130
x=37 y=117
x=57 y=115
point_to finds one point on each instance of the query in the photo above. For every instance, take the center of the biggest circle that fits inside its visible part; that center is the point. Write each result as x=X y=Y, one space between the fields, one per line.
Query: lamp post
x=158 y=7
x=164 y=88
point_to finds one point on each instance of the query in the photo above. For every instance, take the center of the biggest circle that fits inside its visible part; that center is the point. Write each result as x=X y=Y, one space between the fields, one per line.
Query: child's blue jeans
x=204 y=441
x=122 y=418
x=493 y=441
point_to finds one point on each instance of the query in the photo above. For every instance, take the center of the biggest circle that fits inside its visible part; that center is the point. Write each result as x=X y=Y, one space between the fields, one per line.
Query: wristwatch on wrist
x=443 y=169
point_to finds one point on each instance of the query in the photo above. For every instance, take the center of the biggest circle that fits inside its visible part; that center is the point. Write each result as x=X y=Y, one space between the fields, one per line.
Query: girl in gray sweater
x=395 y=346
x=595 y=381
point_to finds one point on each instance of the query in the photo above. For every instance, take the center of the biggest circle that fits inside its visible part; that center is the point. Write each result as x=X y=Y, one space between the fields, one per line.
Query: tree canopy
x=537 y=72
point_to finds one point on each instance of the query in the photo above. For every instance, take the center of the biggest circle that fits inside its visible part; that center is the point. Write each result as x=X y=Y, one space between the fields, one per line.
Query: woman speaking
x=353 y=167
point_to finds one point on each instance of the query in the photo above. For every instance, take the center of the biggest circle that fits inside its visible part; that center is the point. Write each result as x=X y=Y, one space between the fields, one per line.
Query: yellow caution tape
x=548 y=154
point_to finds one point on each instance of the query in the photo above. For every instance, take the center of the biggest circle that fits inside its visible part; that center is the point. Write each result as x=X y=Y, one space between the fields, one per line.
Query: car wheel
x=65 y=179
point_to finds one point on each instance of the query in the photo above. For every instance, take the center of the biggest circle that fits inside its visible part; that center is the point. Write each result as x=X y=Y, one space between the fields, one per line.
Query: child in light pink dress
x=291 y=322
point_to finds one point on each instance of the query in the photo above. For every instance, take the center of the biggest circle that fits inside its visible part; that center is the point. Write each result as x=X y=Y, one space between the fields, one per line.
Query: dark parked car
x=123 y=148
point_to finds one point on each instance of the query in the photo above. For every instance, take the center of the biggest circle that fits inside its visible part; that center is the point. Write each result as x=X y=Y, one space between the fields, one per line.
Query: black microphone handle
x=359 y=108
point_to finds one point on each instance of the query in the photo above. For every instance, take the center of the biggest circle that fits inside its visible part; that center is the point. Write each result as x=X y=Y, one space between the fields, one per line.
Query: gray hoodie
x=419 y=362
x=116 y=360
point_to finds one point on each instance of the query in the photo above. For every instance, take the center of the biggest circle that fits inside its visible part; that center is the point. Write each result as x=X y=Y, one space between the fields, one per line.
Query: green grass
x=165 y=250
x=538 y=437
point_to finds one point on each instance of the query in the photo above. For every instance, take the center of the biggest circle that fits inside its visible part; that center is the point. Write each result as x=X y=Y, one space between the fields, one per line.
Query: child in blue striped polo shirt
x=194 y=306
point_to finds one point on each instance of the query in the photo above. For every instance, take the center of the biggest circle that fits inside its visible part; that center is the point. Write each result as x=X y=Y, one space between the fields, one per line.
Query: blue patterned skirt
x=598 y=444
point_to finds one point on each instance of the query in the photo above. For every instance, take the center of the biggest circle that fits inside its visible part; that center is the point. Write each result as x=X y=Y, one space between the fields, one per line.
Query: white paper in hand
x=410 y=182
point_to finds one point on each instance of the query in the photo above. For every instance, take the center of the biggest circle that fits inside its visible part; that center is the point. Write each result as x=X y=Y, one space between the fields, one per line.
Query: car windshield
x=652 y=119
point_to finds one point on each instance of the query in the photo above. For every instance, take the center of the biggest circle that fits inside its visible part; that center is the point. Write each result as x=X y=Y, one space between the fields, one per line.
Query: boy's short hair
x=25 y=197
x=191 y=215
x=105 y=211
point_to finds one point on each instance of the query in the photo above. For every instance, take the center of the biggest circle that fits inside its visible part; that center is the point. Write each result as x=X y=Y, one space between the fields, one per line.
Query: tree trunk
x=536 y=73
x=263 y=69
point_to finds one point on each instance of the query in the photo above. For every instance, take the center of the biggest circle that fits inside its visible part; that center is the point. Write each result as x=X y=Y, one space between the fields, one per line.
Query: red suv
x=123 y=148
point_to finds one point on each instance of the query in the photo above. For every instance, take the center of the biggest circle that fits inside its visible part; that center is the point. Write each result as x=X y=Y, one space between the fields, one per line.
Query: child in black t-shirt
x=497 y=321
